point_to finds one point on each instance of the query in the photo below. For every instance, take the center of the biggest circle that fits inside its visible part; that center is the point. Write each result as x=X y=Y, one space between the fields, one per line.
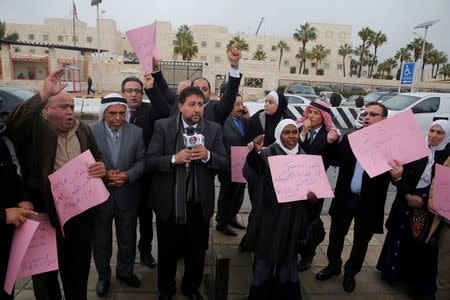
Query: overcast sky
x=396 y=18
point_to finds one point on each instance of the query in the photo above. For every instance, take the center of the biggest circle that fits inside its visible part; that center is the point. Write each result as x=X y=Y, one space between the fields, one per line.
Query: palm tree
x=391 y=63
x=376 y=39
x=402 y=54
x=445 y=71
x=416 y=47
x=441 y=59
x=354 y=64
x=343 y=51
x=259 y=55
x=239 y=42
x=382 y=67
x=362 y=53
x=370 y=61
x=3 y=36
x=304 y=34
x=426 y=56
x=319 y=53
x=185 y=44
x=303 y=55
x=364 y=34
x=432 y=60
x=282 y=45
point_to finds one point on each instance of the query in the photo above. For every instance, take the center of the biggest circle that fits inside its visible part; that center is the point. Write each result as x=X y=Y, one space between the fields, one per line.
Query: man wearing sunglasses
x=144 y=115
x=358 y=197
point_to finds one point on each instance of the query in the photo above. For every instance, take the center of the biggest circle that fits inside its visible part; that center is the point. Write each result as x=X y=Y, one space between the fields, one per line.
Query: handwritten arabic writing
x=143 y=41
x=441 y=191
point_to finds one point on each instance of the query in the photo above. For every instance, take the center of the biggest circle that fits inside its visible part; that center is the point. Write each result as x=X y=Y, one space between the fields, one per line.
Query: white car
x=253 y=107
x=427 y=107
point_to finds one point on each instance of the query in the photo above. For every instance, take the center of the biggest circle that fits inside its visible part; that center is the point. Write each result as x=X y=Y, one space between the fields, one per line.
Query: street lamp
x=425 y=26
x=97 y=3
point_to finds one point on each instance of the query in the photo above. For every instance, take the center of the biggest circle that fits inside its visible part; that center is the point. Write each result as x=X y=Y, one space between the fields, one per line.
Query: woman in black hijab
x=265 y=120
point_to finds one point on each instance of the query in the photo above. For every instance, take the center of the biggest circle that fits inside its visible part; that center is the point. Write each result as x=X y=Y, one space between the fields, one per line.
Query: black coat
x=319 y=146
x=231 y=134
x=373 y=190
x=146 y=114
x=159 y=154
x=274 y=228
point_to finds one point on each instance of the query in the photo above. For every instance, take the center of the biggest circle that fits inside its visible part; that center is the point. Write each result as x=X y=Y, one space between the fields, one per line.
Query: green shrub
x=398 y=74
x=320 y=72
x=389 y=77
x=306 y=71
x=359 y=102
x=376 y=76
x=292 y=69
x=335 y=99
x=281 y=88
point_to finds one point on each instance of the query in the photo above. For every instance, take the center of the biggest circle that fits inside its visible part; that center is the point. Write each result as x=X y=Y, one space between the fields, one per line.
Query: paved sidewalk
x=368 y=282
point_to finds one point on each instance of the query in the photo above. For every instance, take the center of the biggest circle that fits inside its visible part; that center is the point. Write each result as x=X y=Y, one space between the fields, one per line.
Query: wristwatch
x=173 y=160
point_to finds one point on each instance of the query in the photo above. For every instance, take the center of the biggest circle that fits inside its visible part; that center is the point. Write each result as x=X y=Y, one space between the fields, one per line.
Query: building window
x=60 y=38
x=288 y=49
x=342 y=35
x=253 y=82
x=89 y=39
x=174 y=43
x=274 y=48
x=31 y=36
x=313 y=65
x=17 y=49
x=203 y=43
x=217 y=59
x=217 y=44
x=47 y=52
x=325 y=66
x=340 y=67
x=174 y=57
x=328 y=51
x=75 y=38
x=202 y=58
x=32 y=51
x=45 y=37
x=286 y=63
x=260 y=47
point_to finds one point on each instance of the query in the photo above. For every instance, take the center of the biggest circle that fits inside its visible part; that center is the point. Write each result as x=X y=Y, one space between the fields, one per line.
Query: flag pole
x=73 y=21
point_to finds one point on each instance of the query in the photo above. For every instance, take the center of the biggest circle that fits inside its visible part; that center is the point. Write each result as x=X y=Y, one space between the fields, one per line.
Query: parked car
x=374 y=97
x=10 y=97
x=302 y=90
x=326 y=97
x=291 y=99
x=386 y=97
x=427 y=107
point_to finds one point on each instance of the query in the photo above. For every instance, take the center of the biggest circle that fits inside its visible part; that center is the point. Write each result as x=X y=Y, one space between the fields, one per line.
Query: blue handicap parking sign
x=407 y=73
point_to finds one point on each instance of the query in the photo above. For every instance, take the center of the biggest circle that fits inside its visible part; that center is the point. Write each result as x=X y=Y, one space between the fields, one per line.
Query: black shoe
x=327 y=272
x=148 y=260
x=226 y=229
x=304 y=265
x=165 y=296
x=195 y=296
x=349 y=283
x=131 y=280
x=102 y=288
x=237 y=225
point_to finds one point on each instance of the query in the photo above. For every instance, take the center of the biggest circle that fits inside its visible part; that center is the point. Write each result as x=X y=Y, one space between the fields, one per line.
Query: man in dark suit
x=231 y=194
x=358 y=197
x=144 y=115
x=186 y=175
x=123 y=151
x=218 y=111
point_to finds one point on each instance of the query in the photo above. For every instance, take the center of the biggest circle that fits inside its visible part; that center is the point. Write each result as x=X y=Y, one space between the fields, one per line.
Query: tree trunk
x=279 y=62
x=343 y=64
x=423 y=67
x=437 y=71
x=361 y=59
x=303 y=59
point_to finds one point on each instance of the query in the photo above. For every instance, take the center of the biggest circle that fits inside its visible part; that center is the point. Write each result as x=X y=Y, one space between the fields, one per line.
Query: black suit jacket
x=231 y=134
x=159 y=154
x=370 y=209
x=319 y=146
x=146 y=115
x=218 y=111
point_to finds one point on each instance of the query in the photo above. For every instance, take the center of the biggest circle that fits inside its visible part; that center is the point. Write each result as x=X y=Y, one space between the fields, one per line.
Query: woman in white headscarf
x=405 y=255
x=274 y=228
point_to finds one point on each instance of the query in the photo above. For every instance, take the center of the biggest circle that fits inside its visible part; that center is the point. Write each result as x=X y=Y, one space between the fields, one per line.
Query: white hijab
x=279 y=129
x=425 y=179
x=274 y=95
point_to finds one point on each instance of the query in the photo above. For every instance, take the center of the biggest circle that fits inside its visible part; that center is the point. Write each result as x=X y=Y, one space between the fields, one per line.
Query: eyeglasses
x=371 y=113
x=130 y=90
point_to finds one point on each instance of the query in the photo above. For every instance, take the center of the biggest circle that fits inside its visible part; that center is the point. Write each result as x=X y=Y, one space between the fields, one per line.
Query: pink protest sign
x=441 y=191
x=398 y=137
x=143 y=41
x=74 y=191
x=21 y=240
x=293 y=176
x=238 y=155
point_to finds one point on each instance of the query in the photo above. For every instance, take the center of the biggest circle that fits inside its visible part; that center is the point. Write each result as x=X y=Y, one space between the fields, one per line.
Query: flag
x=75 y=16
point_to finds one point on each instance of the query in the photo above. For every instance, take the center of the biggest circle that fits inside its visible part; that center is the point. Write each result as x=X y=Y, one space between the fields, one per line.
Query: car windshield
x=372 y=97
x=22 y=94
x=400 y=102
x=386 y=97
x=303 y=89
